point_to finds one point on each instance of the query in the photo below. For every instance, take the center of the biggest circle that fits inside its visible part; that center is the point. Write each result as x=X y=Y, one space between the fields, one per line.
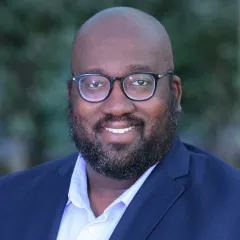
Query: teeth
x=119 y=131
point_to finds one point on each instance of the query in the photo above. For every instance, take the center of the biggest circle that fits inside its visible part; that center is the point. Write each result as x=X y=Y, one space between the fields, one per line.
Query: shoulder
x=211 y=175
x=207 y=162
x=17 y=179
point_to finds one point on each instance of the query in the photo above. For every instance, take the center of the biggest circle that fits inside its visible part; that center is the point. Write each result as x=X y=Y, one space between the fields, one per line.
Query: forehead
x=113 y=55
x=113 y=47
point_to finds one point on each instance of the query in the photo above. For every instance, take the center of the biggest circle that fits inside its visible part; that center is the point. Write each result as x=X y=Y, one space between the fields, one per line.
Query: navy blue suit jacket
x=190 y=195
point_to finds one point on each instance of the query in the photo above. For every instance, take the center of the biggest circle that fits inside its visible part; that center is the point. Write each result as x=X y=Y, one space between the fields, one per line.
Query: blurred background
x=36 y=38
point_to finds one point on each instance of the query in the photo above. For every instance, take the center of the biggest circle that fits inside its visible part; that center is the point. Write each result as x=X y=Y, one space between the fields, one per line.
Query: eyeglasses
x=137 y=86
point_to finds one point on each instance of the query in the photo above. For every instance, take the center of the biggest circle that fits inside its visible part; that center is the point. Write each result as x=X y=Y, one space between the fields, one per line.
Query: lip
x=118 y=135
x=117 y=125
x=119 y=131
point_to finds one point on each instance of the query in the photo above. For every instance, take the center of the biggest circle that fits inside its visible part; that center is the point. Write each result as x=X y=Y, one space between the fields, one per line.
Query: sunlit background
x=36 y=38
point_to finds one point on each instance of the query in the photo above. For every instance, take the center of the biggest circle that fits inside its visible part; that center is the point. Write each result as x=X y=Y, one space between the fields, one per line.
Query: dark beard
x=122 y=161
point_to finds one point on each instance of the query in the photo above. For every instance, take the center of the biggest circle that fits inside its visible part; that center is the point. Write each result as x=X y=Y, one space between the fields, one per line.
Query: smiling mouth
x=119 y=130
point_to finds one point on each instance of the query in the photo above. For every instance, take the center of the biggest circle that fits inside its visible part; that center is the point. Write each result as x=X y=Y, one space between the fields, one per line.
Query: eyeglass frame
x=156 y=76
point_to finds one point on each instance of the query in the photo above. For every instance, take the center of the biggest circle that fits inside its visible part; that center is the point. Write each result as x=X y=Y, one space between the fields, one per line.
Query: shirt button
x=92 y=230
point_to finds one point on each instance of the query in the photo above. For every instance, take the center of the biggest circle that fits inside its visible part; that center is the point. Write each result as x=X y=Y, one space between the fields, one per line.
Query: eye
x=95 y=84
x=140 y=82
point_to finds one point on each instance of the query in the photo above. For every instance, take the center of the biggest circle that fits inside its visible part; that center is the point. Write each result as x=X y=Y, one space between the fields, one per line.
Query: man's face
x=121 y=138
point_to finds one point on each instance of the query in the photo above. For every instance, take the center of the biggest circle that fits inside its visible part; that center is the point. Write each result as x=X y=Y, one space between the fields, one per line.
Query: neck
x=99 y=182
x=102 y=191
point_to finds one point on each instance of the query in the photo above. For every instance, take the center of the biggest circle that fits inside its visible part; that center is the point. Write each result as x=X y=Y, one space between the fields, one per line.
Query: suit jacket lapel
x=39 y=210
x=159 y=192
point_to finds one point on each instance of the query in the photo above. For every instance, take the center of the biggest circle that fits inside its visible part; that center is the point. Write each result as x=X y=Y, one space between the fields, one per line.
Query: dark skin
x=99 y=47
x=103 y=191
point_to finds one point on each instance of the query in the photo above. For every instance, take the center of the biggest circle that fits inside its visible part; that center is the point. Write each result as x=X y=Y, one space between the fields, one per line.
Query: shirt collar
x=128 y=195
x=78 y=193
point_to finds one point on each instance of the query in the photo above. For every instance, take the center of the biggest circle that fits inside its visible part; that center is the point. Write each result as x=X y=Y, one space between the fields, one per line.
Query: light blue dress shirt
x=78 y=220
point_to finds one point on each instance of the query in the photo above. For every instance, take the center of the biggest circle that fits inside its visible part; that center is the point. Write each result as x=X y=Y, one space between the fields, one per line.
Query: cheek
x=81 y=108
x=154 y=111
x=84 y=111
x=159 y=103
x=156 y=106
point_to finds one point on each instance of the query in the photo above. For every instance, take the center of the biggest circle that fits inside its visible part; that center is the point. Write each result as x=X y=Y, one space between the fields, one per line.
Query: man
x=132 y=178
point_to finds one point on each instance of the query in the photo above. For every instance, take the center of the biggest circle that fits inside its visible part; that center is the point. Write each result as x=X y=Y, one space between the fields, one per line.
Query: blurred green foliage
x=36 y=37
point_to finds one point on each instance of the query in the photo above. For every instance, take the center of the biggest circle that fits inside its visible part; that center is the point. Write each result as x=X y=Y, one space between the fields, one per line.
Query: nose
x=117 y=104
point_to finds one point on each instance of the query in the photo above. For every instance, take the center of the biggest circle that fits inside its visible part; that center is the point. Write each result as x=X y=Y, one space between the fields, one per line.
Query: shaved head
x=122 y=24
x=121 y=137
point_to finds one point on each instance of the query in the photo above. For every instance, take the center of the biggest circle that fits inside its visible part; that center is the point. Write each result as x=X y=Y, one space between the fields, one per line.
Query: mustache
x=132 y=120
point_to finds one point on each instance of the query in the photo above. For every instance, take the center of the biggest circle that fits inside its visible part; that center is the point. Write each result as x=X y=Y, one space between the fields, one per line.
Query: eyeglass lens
x=136 y=86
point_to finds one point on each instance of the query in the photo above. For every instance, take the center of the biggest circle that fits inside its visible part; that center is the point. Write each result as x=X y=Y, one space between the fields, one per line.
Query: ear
x=177 y=90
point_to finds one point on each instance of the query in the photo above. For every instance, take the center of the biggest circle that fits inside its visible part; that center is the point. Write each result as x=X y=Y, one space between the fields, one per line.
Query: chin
x=118 y=147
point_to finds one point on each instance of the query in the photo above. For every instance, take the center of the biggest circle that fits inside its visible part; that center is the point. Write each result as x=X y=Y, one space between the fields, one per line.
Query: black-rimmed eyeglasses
x=137 y=86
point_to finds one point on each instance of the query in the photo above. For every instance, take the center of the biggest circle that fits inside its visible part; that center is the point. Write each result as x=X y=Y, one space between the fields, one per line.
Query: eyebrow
x=139 y=67
x=93 y=70
x=130 y=68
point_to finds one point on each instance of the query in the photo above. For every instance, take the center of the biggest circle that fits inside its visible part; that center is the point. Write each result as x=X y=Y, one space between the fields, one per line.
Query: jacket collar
x=159 y=193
